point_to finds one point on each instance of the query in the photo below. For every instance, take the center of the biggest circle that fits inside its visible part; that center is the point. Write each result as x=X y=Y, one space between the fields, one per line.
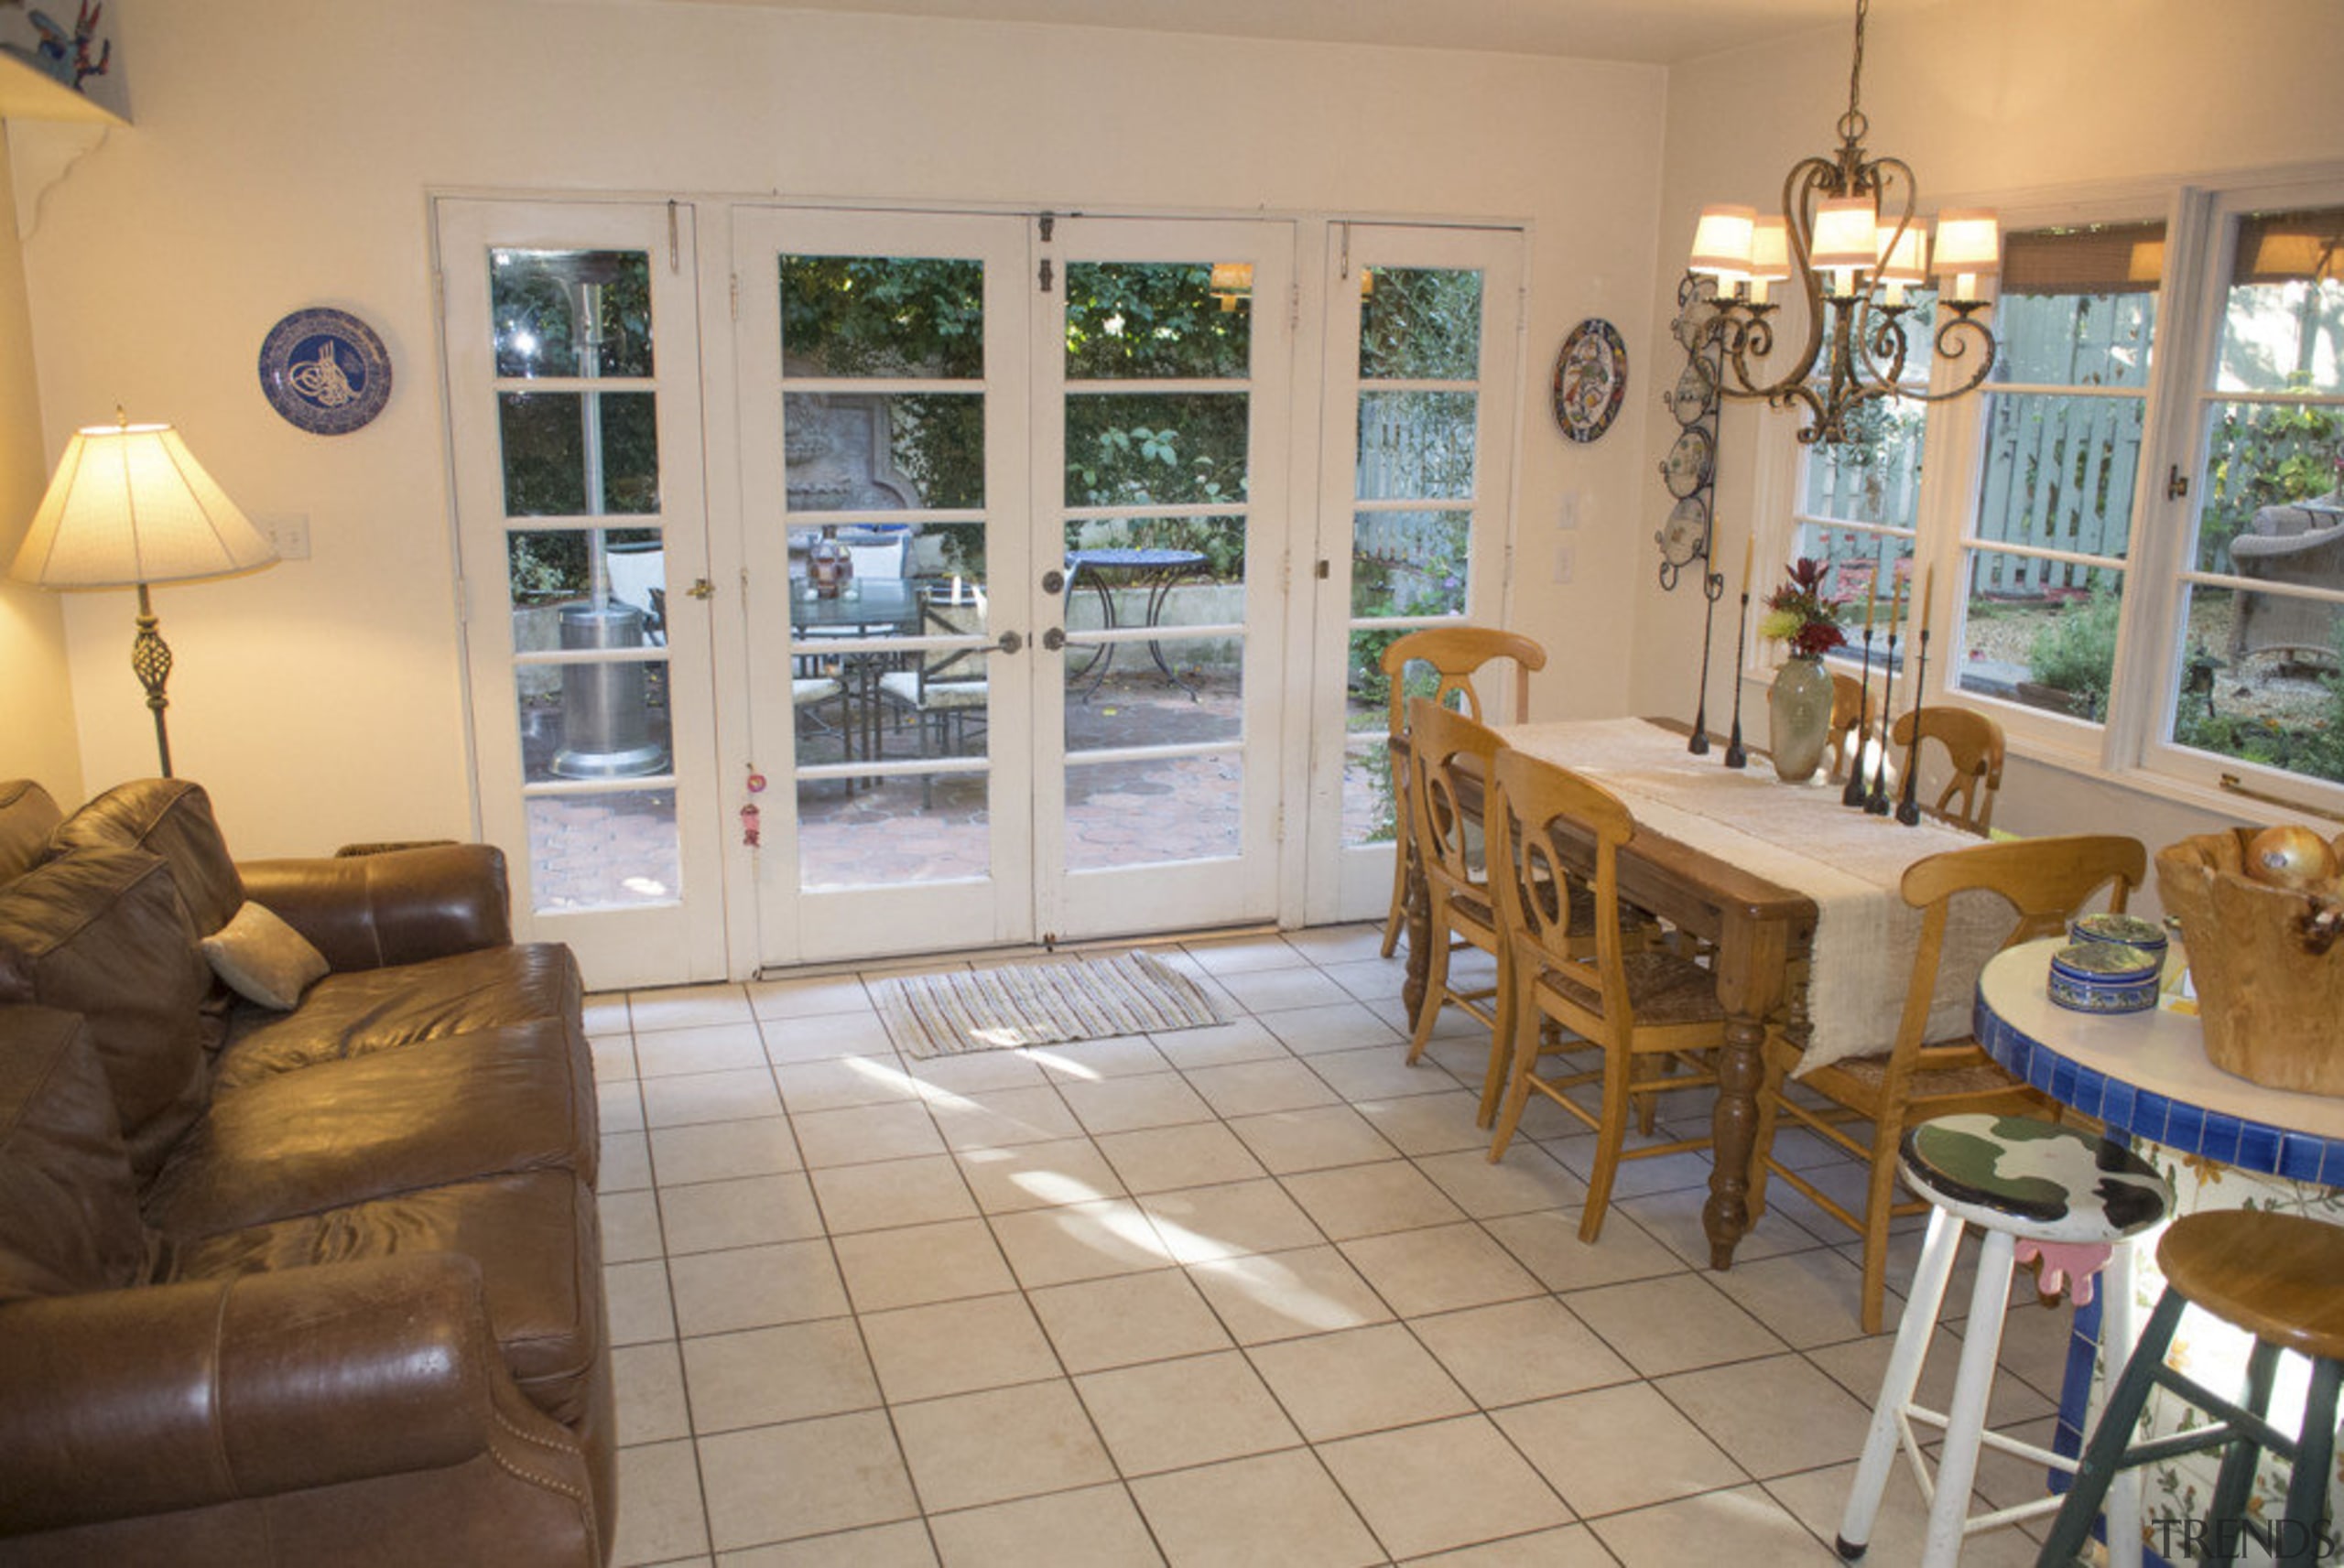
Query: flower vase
x=1798 y=717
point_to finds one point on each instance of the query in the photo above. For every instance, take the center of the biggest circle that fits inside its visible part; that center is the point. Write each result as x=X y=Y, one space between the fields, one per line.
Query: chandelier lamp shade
x=1849 y=242
x=128 y=507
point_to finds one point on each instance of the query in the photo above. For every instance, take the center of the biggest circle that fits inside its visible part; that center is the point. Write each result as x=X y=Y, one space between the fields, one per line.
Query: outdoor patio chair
x=2299 y=544
x=942 y=690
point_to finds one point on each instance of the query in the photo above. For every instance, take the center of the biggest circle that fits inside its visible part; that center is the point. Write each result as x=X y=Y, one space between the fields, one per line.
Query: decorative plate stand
x=325 y=370
x=1590 y=379
x=1689 y=470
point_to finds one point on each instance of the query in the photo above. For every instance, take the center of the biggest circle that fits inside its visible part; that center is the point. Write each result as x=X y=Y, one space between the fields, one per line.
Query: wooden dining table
x=1756 y=868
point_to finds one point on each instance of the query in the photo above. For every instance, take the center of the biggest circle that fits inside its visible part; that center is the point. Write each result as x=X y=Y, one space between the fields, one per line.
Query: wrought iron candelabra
x=1712 y=589
x=1735 y=757
x=1908 y=808
x=1854 y=794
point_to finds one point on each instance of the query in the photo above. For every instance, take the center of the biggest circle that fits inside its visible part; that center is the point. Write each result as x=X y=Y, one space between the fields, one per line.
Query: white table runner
x=1800 y=836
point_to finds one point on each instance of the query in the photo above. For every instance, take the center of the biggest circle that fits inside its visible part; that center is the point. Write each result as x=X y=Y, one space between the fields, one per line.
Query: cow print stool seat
x=2075 y=1199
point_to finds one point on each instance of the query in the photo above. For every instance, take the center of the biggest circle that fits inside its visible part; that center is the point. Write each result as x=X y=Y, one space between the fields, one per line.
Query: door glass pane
x=1419 y=324
x=570 y=454
x=893 y=453
x=1409 y=563
x=601 y=851
x=2257 y=680
x=2273 y=493
x=1153 y=450
x=885 y=832
x=1174 y=691
x=2283 y=317
x=1861 y=561
x=2040 y=633
x=1873 y=477
x=601 y=720
x=571 y=313
x=882 y=316
x=1153 y=811
x=550 y=570
x=1161 y=319
x=1416 y=446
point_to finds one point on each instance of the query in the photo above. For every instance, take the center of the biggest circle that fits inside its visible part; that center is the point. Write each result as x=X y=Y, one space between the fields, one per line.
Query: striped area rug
x=1040 y=1004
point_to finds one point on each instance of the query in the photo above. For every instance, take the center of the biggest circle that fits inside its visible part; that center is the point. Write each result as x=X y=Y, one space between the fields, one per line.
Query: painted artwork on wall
x=76 y=51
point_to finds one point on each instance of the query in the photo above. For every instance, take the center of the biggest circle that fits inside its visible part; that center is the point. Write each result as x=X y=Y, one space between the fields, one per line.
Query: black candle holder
x=1854 y=794
x=1735 y=757
x=1712 y=589
x=1876 y=798
x=1908 y=808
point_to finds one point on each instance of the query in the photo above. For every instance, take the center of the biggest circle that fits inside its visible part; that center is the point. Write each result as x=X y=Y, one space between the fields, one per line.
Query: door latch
x=2176 y=483
x=1010 y=643
x=1054 y=639
x=701 y=588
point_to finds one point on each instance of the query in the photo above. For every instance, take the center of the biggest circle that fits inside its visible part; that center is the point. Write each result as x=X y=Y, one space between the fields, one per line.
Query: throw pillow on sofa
x=103 y=933
x=264 y=960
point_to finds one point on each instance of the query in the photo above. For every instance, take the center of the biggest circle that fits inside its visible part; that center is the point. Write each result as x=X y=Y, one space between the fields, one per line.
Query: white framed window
x=2141 y=514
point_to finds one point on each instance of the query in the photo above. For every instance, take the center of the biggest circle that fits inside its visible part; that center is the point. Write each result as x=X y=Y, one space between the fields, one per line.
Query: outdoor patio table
x=881 y=607
x=2223 y=1142
x=1158 y=571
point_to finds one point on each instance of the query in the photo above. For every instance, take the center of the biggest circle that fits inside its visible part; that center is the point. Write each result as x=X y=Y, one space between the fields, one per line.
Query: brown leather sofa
x=311 y=1287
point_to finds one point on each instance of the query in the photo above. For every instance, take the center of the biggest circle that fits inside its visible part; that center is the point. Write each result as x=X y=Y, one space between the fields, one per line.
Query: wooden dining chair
x=1851 y=715
x=1446 y=834
x=1972 y=744
x=1456 y=656
x=2044 y=882
x=1630 y=1002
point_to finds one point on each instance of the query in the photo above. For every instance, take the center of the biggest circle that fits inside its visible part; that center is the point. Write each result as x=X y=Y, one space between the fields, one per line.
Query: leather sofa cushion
x=68 y=1211
x=101 y=932
x=27 y=817
x=349 y=1015
x=169 y=818
x=533 y=1234
x=518 y=1097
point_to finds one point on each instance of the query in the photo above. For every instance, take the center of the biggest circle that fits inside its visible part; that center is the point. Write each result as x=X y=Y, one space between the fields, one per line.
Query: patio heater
x=605 y=719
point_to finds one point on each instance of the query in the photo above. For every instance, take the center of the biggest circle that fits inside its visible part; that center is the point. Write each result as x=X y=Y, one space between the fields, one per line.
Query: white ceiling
x=1660 y=32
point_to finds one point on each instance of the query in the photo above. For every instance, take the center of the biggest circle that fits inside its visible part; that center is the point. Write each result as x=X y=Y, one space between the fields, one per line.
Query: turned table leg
x=1734 y=1128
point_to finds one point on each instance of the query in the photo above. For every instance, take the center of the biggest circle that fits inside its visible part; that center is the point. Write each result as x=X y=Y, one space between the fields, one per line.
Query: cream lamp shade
x=128 y=506
x=1847 y=234
x=1970 y=242
x=1905 y=265
x=1770 y=255
x=1722 y=241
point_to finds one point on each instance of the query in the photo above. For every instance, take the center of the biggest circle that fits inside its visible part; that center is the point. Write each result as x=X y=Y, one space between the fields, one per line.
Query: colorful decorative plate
x=325 y=370
x=1590 y=379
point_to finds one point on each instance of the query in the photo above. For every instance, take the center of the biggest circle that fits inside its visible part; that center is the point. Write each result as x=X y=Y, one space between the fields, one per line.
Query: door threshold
x=1014 y=953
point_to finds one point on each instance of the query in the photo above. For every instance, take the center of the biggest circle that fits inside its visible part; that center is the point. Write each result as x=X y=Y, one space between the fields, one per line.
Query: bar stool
x=2074 y=1199
x=2281 y=1277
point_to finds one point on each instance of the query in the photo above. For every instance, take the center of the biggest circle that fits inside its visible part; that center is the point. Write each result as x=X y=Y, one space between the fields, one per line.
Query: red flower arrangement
x=1800 y=614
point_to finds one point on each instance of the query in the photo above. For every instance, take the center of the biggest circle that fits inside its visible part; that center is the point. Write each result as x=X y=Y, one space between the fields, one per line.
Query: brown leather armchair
x=315 y=1286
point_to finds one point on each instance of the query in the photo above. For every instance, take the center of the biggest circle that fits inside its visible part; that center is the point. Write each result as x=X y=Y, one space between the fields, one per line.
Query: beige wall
x=36 y=737
x=1990 y=101
x=281 y=157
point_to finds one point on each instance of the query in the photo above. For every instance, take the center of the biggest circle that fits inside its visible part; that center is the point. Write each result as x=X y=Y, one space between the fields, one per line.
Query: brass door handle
x=1054 y=639
x=1010 y=643
x=701 y=588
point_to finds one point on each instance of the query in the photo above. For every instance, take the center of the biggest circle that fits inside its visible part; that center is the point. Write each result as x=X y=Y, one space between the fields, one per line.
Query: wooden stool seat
x=2278 y=1276
x=2038 y=1180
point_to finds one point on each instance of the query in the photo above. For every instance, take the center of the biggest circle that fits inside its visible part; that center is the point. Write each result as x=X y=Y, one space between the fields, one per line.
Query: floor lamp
x=129 y=506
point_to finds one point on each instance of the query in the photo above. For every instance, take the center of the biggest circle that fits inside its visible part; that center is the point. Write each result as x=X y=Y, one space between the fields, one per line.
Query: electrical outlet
x=1565 y=563
x=291 y=535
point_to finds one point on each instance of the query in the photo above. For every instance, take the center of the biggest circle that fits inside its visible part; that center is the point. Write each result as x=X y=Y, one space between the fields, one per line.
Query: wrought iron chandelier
x=1848 y=237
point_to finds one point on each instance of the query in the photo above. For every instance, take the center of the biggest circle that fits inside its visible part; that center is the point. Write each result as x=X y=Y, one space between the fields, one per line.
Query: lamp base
x=150 y=660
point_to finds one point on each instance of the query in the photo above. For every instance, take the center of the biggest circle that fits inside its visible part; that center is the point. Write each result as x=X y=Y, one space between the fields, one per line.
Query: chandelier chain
x=1855 y=125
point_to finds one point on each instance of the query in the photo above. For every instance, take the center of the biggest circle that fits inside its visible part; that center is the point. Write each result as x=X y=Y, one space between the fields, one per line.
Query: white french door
x=1423 y=360
x=573 y=371
x=1045 y=705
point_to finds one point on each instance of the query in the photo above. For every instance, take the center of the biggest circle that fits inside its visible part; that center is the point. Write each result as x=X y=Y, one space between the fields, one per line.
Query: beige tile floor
x=1242 y=1294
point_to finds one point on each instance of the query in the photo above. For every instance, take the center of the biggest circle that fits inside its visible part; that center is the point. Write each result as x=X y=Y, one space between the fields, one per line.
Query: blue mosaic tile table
x=2223 y=1142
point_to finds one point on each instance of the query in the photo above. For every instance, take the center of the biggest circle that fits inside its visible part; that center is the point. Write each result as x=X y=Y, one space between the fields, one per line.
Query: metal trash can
x=606 y=719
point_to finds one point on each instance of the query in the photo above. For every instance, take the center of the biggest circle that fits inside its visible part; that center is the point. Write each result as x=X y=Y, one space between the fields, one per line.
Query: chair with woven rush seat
x=2281 y=1277
x=1456 y=655
x=1448 y=850
x=1973 y=749
x=2044 y=882
x=1649 y=1003
x=2076 y=1201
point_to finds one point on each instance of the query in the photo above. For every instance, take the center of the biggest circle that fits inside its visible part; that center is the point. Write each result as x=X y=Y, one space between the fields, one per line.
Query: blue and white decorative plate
x=325 y=370
x=1590 y=379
